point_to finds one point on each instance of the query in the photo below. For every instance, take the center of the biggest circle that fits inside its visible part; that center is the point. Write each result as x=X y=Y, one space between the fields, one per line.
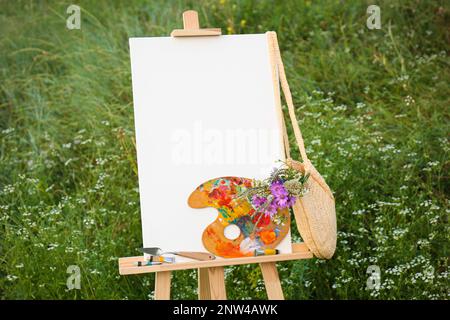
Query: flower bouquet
x=277 y=192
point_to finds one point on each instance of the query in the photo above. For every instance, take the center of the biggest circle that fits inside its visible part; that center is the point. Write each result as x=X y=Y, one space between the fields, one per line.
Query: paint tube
x=266 y=252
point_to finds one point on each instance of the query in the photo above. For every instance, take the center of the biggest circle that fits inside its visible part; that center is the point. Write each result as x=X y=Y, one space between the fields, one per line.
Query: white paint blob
x=231 y=232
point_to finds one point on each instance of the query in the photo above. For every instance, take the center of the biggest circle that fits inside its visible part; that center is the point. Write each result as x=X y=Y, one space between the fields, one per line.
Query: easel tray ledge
x=127 y=264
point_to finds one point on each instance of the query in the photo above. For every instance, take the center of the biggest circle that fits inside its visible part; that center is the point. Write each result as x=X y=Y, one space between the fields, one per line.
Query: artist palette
x=257 y=230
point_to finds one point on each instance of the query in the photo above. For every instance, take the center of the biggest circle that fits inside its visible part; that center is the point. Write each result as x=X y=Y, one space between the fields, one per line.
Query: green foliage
x=373 y=106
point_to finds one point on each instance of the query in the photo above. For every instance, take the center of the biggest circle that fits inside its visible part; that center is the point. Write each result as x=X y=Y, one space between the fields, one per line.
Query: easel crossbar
x=127 y=264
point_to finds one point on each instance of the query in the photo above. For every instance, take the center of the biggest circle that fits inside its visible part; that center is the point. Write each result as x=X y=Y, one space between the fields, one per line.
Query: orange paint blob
x=268 y=236
x=228 y=250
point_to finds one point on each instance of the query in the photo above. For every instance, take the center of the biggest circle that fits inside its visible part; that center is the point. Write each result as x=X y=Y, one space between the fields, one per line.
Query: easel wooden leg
x=211 y=284
x=162 y=285
x=204 y=291
x=272 y=281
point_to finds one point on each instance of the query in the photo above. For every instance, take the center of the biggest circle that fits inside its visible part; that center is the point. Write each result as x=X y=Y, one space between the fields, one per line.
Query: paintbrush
x=146 y=263
x=161 y=259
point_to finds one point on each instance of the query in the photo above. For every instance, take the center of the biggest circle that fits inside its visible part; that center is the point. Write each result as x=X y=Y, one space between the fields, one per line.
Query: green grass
x=374 y=109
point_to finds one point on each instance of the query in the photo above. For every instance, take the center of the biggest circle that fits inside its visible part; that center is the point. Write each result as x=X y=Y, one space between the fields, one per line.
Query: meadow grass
x=373 y=106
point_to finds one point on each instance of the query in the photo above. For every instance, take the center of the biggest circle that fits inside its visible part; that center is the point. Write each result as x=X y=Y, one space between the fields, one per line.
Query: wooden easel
x=211 y=277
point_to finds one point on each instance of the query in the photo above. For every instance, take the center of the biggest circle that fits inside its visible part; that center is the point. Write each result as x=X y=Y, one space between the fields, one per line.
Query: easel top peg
x=192 y=27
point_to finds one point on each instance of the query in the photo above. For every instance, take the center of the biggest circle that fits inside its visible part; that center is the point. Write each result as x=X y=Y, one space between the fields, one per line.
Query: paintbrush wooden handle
x=203 y=256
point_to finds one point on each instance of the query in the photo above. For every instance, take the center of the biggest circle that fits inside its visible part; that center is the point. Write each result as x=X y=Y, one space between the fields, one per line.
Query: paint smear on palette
x=257 y=231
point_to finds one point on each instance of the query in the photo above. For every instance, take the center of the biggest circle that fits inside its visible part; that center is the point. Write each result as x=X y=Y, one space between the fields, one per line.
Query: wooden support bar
x=204 y=290
x=127 y=265
x=191 y=27
x=272 y=281
x=211 y=284
x=217 y=283
x=162 y=285
x=190 y=20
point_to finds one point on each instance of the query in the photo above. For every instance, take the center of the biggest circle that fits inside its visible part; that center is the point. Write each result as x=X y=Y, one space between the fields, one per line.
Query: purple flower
x=279 y=199
x=271 y=209
x=277 y=189
x=258 y=201
x=291 y=201
x=280 y=194
x=285 y=201
x=282 y=201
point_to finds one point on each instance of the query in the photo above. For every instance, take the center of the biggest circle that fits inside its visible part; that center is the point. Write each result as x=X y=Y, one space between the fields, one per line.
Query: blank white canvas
x=204 y=108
